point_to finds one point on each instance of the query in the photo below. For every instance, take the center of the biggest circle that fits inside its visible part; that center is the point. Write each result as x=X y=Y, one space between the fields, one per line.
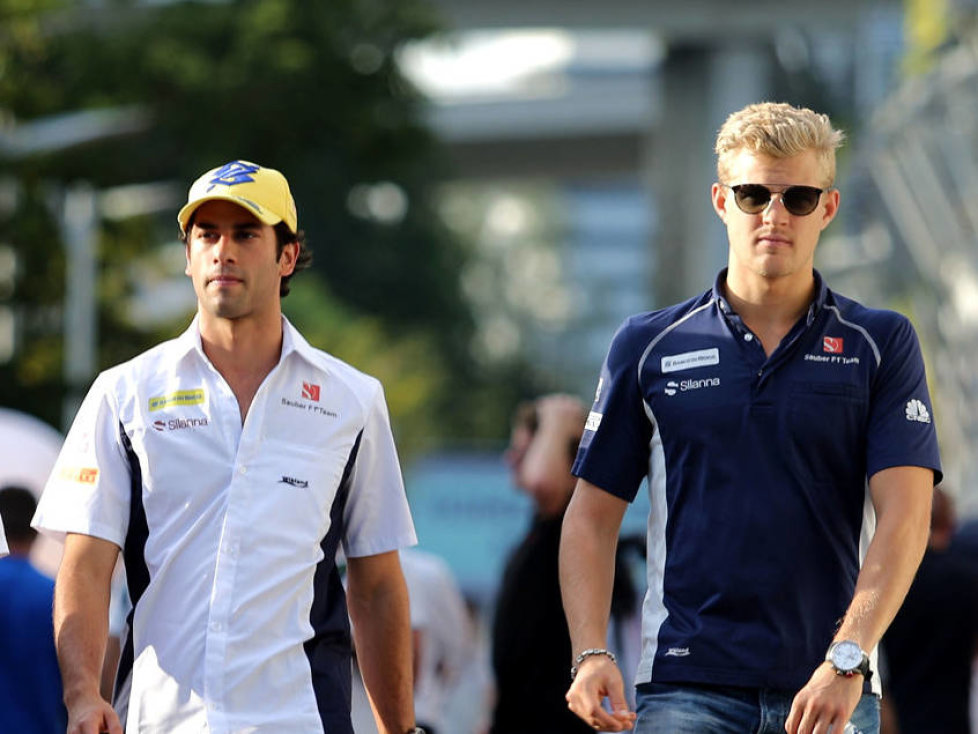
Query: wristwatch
x=848 y=659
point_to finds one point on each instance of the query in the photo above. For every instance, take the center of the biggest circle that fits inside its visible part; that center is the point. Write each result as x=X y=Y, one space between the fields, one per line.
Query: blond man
x=779 y=424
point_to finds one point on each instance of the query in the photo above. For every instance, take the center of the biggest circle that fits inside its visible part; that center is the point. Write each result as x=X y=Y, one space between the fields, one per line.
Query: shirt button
x=216 y=626
x=242 y=470
x=748 y=337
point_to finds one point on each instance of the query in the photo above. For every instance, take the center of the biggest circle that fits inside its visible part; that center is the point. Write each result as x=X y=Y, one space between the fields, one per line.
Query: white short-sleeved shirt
x=4 y=550
x=230 y=531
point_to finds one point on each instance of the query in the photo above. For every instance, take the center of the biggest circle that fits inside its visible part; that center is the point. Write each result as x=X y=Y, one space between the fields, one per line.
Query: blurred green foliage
x=309 y=87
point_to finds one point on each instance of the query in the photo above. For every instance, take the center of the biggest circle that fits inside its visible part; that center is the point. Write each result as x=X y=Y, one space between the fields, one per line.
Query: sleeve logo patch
x=593 y=421
x=180 y=397
x=690 y=360
x=79 y=474
x=917 y=411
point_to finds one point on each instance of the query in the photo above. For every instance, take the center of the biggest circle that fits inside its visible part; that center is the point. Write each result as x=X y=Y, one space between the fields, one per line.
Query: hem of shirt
x=385 y=546
x=895 y=461
x=735 y=678
x=604 y=483
x=60 y=530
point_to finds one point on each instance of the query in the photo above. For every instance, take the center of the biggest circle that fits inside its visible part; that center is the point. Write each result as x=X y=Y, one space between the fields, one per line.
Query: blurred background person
x=440 y=635
x=965 y=545
x=930 y=645
x=28 y=449
x=531 y=651
x=441 y=644
x=30 y=683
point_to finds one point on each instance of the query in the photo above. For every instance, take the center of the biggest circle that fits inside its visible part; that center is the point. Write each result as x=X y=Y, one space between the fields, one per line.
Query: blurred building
x=581 y=142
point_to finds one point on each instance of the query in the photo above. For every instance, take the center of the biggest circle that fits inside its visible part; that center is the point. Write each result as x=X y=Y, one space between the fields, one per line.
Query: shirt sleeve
x=614 y=450
x=4 y=550
x=901 y=429
x=376 y=517
x=89 y=489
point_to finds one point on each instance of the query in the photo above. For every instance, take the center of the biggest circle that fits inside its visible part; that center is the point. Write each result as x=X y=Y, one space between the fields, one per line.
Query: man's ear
x=831 y=207
x=288 y=258
x=718 y=194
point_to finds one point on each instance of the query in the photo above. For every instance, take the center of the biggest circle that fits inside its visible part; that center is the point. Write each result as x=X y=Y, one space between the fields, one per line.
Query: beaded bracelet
x=585 y=654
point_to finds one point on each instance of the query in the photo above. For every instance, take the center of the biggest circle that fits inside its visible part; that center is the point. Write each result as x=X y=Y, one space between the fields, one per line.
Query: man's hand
x=825 y=703
x=92 y=715
x=599 y=678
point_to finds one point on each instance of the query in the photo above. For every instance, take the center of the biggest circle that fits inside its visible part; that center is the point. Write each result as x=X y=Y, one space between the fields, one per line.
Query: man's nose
x=224 y=248
x=775 y=207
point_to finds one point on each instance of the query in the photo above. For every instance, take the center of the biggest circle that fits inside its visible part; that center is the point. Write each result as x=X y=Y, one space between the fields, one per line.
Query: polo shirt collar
x=821 y=296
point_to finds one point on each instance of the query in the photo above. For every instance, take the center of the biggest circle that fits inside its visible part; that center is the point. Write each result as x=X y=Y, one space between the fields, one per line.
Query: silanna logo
x=179 y=424
x=672 y=387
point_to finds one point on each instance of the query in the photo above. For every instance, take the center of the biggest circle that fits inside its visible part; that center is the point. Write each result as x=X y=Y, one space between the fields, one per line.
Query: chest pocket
x=825 y=426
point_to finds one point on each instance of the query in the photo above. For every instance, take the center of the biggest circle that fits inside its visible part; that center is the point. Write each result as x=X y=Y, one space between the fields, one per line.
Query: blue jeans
x=669 y=709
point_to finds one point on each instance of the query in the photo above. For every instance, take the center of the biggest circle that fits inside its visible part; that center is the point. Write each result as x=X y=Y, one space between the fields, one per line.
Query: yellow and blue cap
x=262 y=191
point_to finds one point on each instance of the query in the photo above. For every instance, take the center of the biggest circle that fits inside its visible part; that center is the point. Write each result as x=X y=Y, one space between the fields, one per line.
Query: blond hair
x=778 y=130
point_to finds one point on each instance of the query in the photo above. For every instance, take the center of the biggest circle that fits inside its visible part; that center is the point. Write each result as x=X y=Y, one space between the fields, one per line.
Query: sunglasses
x=754 y=198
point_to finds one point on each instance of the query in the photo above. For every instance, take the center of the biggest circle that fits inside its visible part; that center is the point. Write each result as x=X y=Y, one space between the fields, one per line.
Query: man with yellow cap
x=228 y=465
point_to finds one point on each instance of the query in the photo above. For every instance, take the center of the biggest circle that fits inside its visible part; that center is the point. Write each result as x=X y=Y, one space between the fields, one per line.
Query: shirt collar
x=292 y=341
x=821 y=295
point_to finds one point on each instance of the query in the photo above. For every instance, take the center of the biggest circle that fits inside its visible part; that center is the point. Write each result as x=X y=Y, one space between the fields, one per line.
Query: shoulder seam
x=862 y=330
x=668 y=329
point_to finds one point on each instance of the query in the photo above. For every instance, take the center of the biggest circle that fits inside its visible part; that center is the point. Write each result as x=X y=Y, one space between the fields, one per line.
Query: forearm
x=587 y=569
x=588 y=541
x=382 y=631
x=892 y=557
x=81 y=603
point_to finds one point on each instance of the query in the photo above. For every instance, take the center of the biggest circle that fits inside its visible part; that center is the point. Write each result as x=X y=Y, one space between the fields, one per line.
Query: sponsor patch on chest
x=176 y=399
x=690 y=360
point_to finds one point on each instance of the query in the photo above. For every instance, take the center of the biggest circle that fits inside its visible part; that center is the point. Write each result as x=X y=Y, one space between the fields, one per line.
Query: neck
x=243 y=351
x=246 y=343
x=770 y=302
x=19 y=549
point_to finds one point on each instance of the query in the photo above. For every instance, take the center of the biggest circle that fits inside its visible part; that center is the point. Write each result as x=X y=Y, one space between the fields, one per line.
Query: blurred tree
x=311 y=88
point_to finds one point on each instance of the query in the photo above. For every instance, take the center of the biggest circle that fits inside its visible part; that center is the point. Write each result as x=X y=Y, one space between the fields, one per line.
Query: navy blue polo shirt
x=758 y=474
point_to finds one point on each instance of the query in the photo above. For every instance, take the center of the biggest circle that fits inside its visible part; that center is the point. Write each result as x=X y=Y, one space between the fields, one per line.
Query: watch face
x=846 y=655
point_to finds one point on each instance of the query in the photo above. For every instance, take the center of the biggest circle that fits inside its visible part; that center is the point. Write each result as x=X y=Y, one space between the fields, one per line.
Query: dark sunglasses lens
x=751 y=198
x=801 y=200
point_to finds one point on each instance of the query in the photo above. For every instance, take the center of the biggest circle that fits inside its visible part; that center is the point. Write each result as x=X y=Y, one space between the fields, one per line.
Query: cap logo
x=233 y=173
